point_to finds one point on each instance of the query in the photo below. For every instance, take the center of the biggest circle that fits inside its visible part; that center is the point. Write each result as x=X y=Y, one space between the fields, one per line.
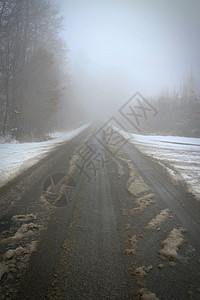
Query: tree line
x=32 y=67
x=178 y=110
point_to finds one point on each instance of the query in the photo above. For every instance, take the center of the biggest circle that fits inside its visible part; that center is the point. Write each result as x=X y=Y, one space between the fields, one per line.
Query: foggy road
x=94 y=221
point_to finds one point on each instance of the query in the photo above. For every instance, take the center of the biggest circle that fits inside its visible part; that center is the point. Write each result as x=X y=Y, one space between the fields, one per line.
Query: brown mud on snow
x=142 y=203
x=172 y=243
x=132 y=249
x=163 y=215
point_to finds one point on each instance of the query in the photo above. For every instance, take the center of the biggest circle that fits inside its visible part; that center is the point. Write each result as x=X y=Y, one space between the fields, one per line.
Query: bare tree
x=30 y=65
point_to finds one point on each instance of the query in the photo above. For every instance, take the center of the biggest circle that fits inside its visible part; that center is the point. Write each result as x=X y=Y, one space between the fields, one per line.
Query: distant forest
x=32 y=68
x=178 y=110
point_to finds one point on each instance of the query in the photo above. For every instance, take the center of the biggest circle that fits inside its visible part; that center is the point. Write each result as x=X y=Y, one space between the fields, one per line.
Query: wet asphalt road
x=95 y=244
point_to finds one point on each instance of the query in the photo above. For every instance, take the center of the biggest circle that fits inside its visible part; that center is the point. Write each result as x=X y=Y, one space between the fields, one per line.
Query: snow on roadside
x=180 y=156
x=17 y=157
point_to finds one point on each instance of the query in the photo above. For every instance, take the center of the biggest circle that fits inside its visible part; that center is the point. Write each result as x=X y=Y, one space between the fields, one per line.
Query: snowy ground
x=179 y=155
x=17 y=157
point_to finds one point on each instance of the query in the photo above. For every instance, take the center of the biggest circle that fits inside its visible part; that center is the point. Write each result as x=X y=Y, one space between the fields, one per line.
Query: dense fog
x=66 y=62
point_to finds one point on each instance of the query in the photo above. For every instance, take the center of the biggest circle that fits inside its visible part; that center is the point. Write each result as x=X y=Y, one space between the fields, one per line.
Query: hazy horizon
x=119 y=47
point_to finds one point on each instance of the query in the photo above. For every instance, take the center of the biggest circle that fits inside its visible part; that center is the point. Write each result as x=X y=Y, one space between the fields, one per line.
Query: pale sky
x=131 y=45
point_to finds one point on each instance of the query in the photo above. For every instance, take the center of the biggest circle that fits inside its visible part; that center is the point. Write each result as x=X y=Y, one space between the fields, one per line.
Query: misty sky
x=119 y=47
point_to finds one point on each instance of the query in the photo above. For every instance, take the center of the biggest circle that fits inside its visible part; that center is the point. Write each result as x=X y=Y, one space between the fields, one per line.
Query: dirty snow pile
x=17 y=157
x=179 y=155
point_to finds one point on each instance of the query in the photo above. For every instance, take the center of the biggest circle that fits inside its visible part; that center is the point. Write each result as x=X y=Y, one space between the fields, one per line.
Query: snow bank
x=180 y=155
x=15 y=158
